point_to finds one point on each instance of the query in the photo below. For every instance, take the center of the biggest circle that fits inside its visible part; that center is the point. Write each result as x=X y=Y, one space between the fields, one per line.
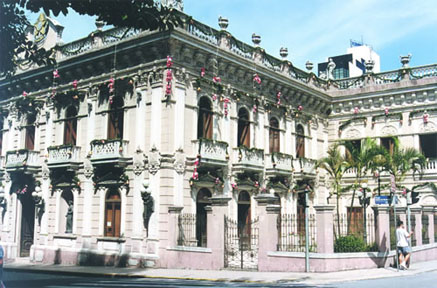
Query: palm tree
x=361 y=159
x=401 y=161
x=334 y=164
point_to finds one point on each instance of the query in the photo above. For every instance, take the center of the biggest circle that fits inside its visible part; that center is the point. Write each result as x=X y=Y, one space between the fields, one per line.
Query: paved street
x=24 y=279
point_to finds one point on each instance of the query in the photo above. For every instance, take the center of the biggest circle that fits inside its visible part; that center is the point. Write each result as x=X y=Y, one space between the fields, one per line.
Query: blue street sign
x=381 y=200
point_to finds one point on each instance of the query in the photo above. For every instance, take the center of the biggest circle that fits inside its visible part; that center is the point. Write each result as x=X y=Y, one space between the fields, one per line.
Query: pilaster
x=382 y=217
x=325 y=224
x=416 y=212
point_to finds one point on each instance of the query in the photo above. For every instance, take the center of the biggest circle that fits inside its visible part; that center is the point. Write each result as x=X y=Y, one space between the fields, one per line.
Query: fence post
x=325 y=226
x=215 y=229
x=401 y=212
x=173 y=229
x=382 y=237
x=428 y=210
x=416 y=211
x=268 y=236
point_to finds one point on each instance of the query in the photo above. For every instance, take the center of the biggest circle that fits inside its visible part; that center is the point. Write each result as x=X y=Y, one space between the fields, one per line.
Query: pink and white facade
x=220 y=135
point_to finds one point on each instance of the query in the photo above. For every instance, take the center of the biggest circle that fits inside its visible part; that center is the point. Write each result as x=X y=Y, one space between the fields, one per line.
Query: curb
x=128 y=275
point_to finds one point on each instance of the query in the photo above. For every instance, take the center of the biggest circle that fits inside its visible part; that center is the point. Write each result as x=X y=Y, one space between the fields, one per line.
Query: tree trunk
x=349 y=215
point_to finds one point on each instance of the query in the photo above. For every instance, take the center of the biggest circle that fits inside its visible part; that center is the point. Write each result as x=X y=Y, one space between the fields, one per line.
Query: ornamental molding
x=428 y=200
x=179 y=163
x=352 y=133
x=428 y=127
x=88 y=170
x=389 y=130
x=138 y=162
x=154 y=161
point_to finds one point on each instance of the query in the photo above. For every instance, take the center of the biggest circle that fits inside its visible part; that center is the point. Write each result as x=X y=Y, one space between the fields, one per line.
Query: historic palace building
x=180 y=149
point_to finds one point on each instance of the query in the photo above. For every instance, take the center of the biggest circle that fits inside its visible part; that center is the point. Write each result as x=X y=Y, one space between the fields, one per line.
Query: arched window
x=65 y=216
x=243 y=128
x=29 y=142
x=70 y=126
x=203 y=200
x=274 y=135
x=204 y=122
x=112 y=213
x=115 y=120
x=300 y=142
x=244 y=216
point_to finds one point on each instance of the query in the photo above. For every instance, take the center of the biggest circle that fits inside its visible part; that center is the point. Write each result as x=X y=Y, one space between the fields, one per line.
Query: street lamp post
x=364 y=201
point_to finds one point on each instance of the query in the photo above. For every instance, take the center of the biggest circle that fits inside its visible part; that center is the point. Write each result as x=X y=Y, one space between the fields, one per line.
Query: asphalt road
x=25 y=280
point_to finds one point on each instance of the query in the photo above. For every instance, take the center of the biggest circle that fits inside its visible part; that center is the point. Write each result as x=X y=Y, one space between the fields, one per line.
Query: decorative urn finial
x=405 y=60
x=223 y=22
x=369 y=64
x=256 y=39
x=283 y=52
x=309 y=65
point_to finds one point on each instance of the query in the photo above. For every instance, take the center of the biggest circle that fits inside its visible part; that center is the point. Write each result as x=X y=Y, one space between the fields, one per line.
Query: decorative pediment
x=352 y=133
x=389 y=130
x=428 y=127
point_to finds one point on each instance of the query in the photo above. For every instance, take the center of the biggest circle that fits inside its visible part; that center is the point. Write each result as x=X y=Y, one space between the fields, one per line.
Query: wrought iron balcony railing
x=279 y=162
x=305 y=166
x=248 y=158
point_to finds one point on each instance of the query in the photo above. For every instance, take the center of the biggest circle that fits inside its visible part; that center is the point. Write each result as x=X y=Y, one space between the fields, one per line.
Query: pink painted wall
x=188 y=260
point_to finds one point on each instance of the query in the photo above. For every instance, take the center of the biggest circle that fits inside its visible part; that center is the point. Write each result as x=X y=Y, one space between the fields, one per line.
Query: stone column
x=173 y=229
x=268 y=236
x=416 y=211
x=401 y=213
x=429 y=212
x=325 y=224
x=382 y=237
x=215 y=229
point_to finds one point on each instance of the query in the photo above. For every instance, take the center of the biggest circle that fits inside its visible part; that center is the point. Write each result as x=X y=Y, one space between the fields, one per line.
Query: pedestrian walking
x=403 y=247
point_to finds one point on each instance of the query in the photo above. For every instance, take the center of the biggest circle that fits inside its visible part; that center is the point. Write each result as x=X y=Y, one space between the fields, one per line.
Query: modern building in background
x=191 y=149
x=352 y=64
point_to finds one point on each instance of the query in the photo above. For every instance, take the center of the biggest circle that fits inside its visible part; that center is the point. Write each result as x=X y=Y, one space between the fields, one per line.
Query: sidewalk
x=223 y=275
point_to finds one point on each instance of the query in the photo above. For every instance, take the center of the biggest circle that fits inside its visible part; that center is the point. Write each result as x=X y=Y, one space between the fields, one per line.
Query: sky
x=314 y=29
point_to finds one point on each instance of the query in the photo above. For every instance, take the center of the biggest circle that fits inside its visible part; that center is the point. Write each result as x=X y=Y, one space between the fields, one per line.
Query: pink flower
x=404 y=192
x=111 y=99
x=278 y=96
x=234 y=186
x=56 y=74
x=425 y=117
x=75 y=84
x=24 y=94
x=202 y=72
x=256 y=184
x=169 y=76
x=257 y=79
x=386 y=111
x=214 y=97
x=216 y=79
x=111 y=85
x=169 y=61
x=217 y=180
x=356 y=110
x=254 y=108
x=300 y=108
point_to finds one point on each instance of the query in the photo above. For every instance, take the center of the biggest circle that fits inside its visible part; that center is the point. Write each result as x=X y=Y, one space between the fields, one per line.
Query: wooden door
x=27 y=223
x=30 y=138
x=356 y=220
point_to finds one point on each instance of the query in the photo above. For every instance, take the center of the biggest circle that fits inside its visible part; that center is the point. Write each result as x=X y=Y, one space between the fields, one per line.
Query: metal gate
x=241 y=245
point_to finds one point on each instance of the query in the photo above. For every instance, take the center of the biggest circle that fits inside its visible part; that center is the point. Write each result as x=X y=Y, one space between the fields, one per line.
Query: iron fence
x=425 y=229
x=392 y=230
x=344 y=226
x=187 y=230
x=413 y=228
x=291 y=232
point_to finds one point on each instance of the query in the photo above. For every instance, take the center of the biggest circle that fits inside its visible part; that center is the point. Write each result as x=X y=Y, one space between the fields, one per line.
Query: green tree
x=361 y=160
x=138 y=14
x=401 y=162
x=335 y=164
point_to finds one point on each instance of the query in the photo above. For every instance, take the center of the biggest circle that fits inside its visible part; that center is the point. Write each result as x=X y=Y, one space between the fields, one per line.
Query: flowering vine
x=227 y=103
x=386 y=111
x=256 y=79
x=425 y=117
x=356 y=110
x=195 y=173
x=169 y=76
x=202 y=72
x=278 y=97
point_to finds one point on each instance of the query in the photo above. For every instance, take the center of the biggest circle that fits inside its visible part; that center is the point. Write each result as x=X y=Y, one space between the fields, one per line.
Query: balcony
x=279 y=164
x=251 y=159
x=109 y=152
x=212 y=152
x=304 y=168
x=63 y=156
x=22 y=160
